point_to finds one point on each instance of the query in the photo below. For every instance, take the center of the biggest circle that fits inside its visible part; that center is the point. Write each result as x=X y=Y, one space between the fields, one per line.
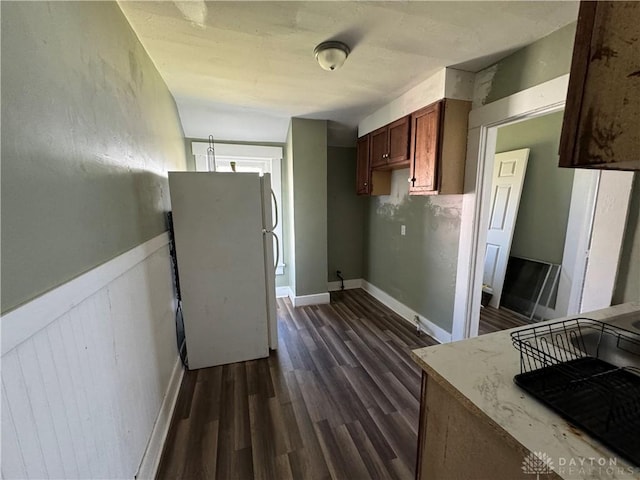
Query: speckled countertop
x=481 y=371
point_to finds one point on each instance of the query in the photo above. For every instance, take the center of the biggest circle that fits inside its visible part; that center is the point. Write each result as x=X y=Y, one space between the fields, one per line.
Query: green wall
x=418 y=269
x=345 y=215
x=543 y=60
x=628 y=282
x=309 y=173
x=541 y=224
x=89 y=130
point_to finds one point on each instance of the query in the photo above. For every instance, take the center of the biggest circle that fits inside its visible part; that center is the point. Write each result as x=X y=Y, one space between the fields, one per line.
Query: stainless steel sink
x=628 y=321
x=567 y=366
x=616 y=341
x=611 y=346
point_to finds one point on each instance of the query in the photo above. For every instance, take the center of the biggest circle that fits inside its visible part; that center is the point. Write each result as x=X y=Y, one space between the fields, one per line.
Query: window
x=248 y=158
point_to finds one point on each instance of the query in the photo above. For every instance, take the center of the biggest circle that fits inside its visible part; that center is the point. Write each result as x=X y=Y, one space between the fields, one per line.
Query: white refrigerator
x=223 y=231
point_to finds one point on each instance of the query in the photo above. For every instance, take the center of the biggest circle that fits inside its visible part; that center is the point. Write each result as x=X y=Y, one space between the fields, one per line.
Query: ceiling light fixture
x=331 y=55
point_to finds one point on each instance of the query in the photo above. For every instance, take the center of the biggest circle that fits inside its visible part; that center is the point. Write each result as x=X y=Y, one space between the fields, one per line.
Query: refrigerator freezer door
x=270 y=268
x=219 y=244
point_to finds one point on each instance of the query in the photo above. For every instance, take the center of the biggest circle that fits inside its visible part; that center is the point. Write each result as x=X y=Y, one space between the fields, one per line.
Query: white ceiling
x=239 y=70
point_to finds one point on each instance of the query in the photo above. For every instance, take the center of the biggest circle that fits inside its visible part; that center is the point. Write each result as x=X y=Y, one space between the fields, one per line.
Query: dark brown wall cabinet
x=363 y=180
x=438 y=148
x=601 y=126
x=390 y=145
x=432 y=142
x=368 y=181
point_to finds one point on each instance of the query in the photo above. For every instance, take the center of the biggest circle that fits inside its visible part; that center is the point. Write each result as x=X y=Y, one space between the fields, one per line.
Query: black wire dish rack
x=588 y=372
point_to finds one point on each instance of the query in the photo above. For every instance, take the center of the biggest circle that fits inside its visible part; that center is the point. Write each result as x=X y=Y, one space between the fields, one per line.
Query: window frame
x=268 y=158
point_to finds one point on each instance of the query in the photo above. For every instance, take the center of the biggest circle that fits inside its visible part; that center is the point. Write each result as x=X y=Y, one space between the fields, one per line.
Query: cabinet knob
x=365 y=184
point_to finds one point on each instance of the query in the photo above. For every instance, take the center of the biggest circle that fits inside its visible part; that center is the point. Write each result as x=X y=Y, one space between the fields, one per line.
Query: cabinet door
x=425 y=128
x=399 y=141
x=379 y=147
x=363 y=180
x=600 y=127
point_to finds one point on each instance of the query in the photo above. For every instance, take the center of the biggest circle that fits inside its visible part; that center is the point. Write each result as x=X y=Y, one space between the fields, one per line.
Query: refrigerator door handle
x=275 y=237
x=275 y=204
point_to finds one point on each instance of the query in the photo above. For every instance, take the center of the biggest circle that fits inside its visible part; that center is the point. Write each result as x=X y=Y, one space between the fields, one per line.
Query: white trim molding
x=150 y=462
x=348 y=285
x=305 y=300
x=538 y=100
x=543 y=97
x=237 y=150
x=282 y=292
x=484 y=121
x=25 y=321
x=609 y=223
x=407 y=313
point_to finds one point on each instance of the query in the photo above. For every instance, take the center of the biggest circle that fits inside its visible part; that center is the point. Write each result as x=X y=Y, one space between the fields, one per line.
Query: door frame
x=548 y=97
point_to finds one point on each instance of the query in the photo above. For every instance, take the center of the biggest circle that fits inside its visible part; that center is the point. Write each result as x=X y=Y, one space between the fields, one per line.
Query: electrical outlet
x=403 y=229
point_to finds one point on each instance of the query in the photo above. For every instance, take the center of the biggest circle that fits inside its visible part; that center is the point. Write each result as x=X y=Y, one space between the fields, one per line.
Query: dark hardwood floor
x=339 y=399
x=496 y=319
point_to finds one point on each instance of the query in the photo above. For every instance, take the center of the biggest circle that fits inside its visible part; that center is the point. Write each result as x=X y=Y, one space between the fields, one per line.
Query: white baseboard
x=407 y=313
x=304 y=300
x=25 y=321
x=282 y=292
x=348 y=284
x=151 y=458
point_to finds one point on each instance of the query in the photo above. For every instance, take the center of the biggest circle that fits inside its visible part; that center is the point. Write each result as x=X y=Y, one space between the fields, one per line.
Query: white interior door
x=509 y=169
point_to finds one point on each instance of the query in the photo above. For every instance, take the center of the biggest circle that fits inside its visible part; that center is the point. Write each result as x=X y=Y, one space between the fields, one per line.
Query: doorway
x=527 y=224
x=596 y=238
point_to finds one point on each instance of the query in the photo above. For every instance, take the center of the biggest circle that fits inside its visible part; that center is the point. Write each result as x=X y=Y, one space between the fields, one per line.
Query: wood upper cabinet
x=368 y=181
x=363 y=180
x=432 y=142
x=438 y=148
x=601 y=126
x=390 y=144
x=379 y=147
x=425 y=125
x=398 y=151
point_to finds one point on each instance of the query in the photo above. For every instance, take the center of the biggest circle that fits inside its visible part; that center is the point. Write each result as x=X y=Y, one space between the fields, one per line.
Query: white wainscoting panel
x=82 y=392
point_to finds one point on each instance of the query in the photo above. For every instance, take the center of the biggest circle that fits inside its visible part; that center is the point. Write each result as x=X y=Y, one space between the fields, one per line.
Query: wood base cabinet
x=456 y=441
x=601 y=127
x=438 y=148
